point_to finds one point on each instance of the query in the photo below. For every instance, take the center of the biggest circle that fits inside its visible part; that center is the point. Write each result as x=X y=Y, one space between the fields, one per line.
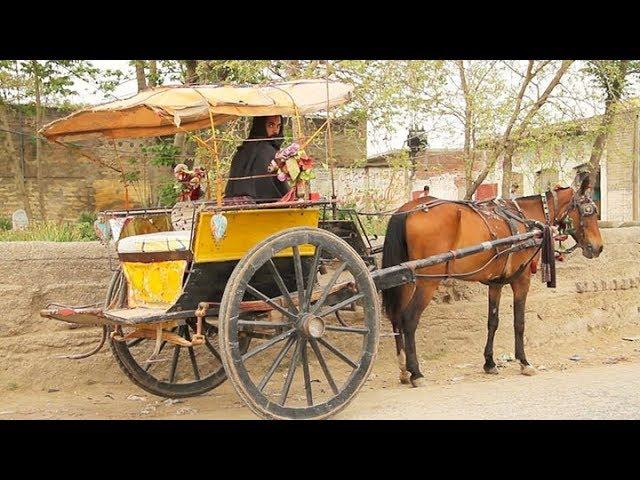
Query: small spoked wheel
x=314 y=351
x=177 y=371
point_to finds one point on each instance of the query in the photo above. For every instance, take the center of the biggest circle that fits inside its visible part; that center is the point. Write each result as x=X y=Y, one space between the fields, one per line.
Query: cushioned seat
x=174 y=241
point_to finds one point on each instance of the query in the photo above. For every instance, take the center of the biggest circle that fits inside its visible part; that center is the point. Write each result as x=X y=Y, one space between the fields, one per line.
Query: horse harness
x=511 y=213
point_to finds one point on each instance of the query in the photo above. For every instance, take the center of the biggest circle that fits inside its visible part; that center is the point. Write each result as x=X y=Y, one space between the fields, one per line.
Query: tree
x=494 y=104
x=141 y=77
x=41 y=82
x=612 y=78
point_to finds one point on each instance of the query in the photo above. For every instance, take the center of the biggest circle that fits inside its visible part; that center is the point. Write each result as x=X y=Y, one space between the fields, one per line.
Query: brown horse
x=444 y=226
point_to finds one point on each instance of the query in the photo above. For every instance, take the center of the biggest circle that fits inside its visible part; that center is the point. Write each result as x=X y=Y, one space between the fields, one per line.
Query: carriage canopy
x=167 y=110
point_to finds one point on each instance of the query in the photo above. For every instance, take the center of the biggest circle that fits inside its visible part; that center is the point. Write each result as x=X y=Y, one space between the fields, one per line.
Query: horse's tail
x=394 y=252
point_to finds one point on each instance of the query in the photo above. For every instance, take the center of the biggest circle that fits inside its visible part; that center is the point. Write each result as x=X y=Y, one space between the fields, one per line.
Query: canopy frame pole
x=216 y=155
x=124 y=178
x=329 y=150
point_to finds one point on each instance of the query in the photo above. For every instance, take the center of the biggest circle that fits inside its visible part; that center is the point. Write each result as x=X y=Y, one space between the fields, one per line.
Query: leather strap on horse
x=548 y=258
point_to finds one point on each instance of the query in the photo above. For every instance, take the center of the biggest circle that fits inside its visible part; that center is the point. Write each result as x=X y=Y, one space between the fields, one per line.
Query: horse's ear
x=585 y=184
x=582 y=182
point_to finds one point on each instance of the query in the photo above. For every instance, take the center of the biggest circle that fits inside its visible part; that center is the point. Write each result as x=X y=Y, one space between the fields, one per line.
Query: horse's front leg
x=520 y=287
x=495 y=291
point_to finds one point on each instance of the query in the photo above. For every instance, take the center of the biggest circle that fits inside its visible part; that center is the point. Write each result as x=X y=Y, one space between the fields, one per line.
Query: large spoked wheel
x=317 y=349
x=180 y=371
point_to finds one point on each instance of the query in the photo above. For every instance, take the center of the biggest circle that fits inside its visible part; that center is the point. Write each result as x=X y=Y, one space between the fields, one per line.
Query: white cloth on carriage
x=173 y=241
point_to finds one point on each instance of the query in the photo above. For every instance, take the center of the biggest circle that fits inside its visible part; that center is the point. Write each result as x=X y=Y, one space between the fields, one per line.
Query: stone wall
x=621 y=149
x=71 y=183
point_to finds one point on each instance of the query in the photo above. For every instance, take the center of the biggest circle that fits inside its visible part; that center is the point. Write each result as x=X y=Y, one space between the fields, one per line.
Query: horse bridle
x=583 y=203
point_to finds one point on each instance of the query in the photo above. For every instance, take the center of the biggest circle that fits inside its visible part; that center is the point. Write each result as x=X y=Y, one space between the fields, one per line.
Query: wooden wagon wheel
x=184 y=372
x=309 y=366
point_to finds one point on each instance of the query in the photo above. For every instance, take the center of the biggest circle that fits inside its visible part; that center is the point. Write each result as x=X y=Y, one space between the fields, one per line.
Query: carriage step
x=97 y=316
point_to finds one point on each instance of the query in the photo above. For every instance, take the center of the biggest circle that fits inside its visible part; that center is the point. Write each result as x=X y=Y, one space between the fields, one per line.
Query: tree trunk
x=507 y=168
x=39 y=180
x=600 y=143
x=192 y=72
x=468 y=156
x=153 y=73
x=478 y=181
x=18 y=165
x=140 y=76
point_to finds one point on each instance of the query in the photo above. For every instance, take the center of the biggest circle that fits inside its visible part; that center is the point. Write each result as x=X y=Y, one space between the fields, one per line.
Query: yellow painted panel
x=156 y=284
x=245 y=228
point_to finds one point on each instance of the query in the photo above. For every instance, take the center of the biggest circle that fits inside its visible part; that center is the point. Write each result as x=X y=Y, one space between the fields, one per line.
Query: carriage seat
x=172 y=241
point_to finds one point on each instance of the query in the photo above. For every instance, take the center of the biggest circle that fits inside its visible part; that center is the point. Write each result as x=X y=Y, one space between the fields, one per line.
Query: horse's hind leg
x=410 y=318
x=396 y=319
x=495 y=292
x=520 y=287
x=402 y=357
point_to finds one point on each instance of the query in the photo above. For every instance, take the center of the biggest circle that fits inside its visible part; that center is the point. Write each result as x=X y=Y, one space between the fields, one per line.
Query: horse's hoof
x=419 y=382
x=492 y=371
x=405 y=378
x=528 y=370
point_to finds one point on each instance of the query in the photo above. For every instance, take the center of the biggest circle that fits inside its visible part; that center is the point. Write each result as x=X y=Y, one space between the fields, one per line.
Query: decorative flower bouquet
x=188 y=182
x=294 y=166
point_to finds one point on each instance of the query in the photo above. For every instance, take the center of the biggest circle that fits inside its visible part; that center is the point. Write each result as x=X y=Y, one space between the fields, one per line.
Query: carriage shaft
x=406 y=272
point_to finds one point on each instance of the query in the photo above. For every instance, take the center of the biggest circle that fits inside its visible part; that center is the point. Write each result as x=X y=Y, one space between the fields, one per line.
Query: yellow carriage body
x=155 y=264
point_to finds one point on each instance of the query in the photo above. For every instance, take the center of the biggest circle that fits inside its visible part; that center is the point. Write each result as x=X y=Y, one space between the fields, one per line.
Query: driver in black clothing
x=254 y=157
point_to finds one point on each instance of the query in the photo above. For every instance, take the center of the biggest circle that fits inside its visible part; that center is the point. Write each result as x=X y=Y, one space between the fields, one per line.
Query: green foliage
x=168 y=193
x=131 y=176
x=87 y=217
x=162 y=153
x=612 y=77
x=235 y=71
x=51 y=232
x=5 y=223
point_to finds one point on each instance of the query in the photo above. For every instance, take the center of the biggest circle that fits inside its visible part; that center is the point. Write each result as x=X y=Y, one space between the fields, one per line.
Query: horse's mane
x=537 y=195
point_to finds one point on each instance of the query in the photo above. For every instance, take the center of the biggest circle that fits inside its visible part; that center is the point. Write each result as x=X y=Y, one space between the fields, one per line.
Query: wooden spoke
x=212 y=349
x=337 y=353
x=268 y=344
x=290 y=373
x=276 y=363
x=192 y=355
x=297 y=265
x=327 y=289
x=311 y=279
x=263 y=297
x=323 y=365
x=305 y=370
x=335 y=328
x=340 y=305
x=282 y=286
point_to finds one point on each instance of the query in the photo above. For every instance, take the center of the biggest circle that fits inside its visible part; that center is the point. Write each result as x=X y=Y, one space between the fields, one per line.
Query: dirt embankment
x=560 y=322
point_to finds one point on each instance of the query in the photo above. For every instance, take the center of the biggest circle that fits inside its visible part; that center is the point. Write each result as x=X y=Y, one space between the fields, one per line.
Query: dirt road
x=600 y=392
x=605 y=392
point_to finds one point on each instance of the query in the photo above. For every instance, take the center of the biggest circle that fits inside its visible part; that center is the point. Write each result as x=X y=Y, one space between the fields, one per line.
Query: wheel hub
x=312 y=326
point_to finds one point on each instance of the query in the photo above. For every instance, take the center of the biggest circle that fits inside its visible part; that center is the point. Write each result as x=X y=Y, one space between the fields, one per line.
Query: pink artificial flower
x=306 y=163
x=282 y=176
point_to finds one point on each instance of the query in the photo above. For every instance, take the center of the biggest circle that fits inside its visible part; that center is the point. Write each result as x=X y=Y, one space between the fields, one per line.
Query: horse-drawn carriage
x=253 y=292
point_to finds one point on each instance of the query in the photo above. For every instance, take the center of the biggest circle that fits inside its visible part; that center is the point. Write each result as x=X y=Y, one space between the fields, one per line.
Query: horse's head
x=578 y=216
